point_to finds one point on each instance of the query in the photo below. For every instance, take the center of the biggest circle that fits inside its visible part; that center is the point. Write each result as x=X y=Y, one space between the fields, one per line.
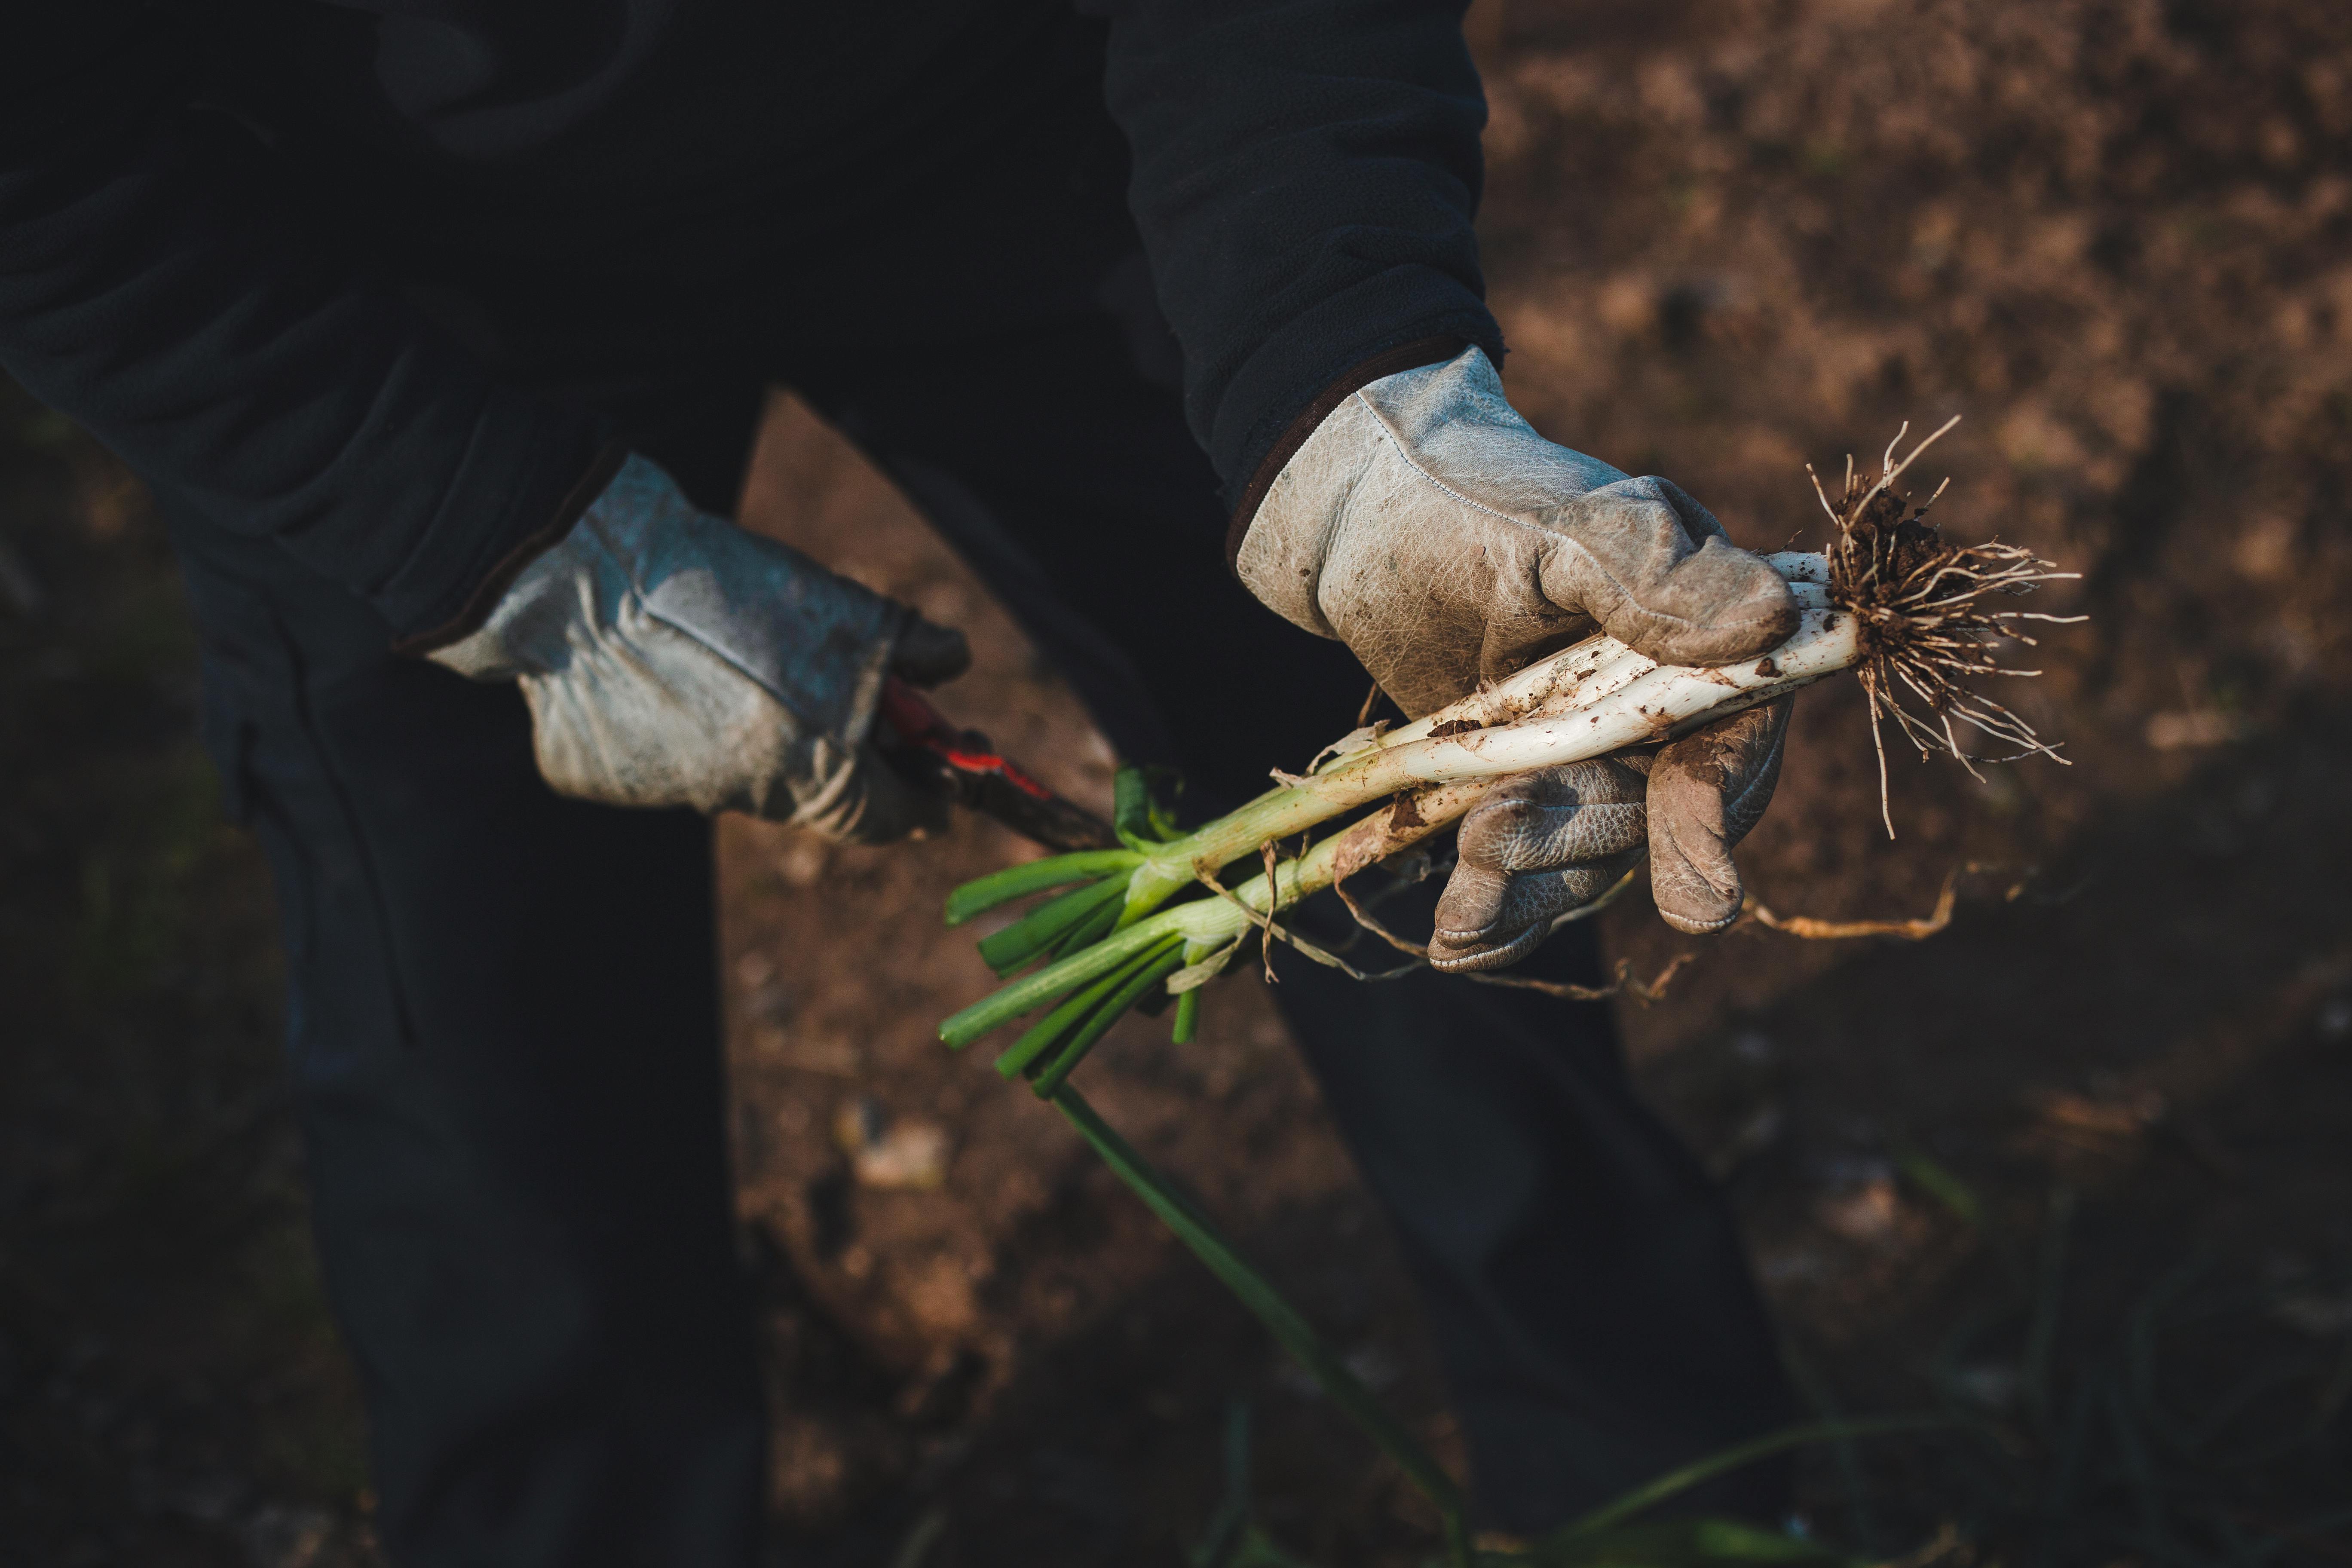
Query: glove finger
x=1656 y=570
x=1707 y=790
x=1538 y=846
x=1487 y=917
x=1557 y=816
x=870 y=801
x=928 y=655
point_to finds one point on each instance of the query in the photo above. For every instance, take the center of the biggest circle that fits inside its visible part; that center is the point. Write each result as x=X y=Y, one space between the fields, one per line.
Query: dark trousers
x=502 y=1014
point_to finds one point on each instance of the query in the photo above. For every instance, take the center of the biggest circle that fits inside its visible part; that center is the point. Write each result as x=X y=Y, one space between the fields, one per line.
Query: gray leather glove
x=672 y=659
x=1428 y=527
x=1543 y=843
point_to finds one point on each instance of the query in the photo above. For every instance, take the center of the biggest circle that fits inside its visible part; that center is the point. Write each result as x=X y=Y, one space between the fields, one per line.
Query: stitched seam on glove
x=630 y=572
x=1737 y=807
x=1389 y=432
x=870 y=681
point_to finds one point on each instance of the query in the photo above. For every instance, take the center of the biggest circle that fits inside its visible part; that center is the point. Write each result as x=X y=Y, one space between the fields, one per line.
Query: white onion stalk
x=1585 y=701
x=1561 y=719
x=1889 y=597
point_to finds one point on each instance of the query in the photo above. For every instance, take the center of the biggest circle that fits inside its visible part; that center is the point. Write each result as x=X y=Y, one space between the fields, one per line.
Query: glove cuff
x=484 y=598
x=1377 y=447
x=1389 y=362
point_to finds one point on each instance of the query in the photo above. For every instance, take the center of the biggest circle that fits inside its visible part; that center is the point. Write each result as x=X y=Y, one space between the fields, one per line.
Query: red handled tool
x=922 y=742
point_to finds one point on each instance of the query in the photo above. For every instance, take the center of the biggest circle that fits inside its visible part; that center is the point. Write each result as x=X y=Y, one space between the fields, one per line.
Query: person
x=440 y=328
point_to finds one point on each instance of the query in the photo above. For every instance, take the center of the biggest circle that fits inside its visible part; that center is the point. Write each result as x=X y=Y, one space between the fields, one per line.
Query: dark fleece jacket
x=214 y=215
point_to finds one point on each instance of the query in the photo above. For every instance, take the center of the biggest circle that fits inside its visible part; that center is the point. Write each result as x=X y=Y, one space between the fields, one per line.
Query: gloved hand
x=672 y=659
x=1428 y=527
x=1544 y=843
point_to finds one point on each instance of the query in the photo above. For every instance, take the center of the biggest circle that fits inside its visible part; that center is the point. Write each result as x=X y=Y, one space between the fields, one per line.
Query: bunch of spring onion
x=1911 y=612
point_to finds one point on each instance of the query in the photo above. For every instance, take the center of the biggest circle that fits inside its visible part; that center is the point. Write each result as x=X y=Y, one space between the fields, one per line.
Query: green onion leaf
x=1165 y=962
x=1138 y=815
x=976 y=897
x=1057 y=1026
x=1046 y=925
x=1258 y=1293
x=1099 y=923
x=1036 y=989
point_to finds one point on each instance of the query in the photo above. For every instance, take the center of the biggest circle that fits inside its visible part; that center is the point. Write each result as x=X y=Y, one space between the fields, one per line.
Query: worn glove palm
x=1427 y=526
x=672 y=659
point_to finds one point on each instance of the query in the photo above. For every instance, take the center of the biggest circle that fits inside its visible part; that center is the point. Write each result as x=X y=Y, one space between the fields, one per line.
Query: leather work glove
x=672 y=659
x=1426 y=525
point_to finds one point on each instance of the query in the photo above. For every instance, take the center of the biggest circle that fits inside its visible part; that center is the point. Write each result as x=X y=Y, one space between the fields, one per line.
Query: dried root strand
x=1813 y=929
x=1928 y=629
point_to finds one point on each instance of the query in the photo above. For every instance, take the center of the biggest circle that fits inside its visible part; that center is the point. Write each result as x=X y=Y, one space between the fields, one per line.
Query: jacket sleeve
x=1305 y=176
x=156 y=288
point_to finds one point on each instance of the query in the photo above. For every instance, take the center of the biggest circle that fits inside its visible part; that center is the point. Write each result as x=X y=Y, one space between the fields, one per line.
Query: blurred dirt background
x=2074 y=1169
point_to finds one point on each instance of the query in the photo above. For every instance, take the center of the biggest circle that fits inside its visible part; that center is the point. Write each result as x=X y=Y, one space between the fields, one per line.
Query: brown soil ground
x=2074 y=1168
